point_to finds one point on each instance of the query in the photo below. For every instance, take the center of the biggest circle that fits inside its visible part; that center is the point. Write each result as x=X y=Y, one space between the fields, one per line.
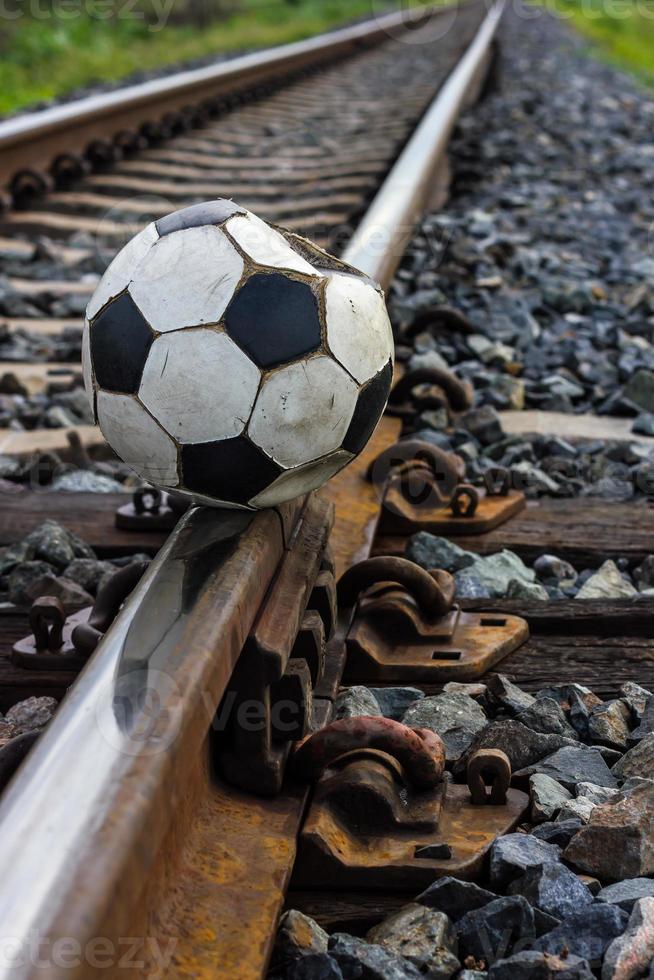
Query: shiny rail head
x=143 y=704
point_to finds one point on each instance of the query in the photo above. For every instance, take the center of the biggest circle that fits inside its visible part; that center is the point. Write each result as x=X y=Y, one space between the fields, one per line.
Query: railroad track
x=180 y=819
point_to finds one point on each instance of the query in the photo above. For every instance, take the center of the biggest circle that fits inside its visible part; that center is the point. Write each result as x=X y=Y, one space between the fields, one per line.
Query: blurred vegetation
x=622 y=30
x=51 y=47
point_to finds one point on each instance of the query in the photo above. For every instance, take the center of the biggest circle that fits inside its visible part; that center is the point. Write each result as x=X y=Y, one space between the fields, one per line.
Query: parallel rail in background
x=70 y=130
x=97 y=817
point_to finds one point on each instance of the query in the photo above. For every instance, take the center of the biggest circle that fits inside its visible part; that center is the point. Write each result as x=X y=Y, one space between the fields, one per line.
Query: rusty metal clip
x=60 y=643
x=425 y=472
x=419 y=751
x=417 y=482
x=497 y=481
x=465 y=500
x=429 y=387
x=407 y=627
x=431 y=592
x=151 y=510
x=106 y=607
x=489 y=767
x=384 y=813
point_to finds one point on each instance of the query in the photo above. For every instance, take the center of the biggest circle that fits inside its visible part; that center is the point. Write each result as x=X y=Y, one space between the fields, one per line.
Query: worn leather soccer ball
x=233 y=361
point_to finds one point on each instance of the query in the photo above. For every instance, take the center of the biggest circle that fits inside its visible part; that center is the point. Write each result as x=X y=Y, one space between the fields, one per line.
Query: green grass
x=622 y=31
x=45 y=57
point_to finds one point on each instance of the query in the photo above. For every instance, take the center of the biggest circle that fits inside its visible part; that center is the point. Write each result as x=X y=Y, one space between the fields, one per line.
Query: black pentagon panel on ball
x=370 y=405
x=120 y=341
x=274 y=319
x=205 y=213
x=233 y=470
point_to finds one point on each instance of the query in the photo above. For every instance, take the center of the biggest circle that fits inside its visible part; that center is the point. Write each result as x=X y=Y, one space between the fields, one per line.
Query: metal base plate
x=328 y=854
x=25 y=653
x=400 y=516
x=478 y=643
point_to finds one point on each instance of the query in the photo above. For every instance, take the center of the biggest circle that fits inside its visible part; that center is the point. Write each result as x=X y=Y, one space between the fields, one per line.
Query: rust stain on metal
x=230 y=884
x=332 y=853
x=420 y=752
x=407 y=628
x=489 y=766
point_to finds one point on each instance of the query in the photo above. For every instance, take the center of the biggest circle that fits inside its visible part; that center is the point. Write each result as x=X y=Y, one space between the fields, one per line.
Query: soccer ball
x=232 y=361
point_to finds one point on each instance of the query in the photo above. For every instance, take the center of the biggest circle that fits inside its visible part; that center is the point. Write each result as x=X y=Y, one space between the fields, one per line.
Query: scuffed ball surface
x=234 y=361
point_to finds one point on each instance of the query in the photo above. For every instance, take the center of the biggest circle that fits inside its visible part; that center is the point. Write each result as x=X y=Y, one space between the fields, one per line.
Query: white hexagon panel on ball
x=234 y=361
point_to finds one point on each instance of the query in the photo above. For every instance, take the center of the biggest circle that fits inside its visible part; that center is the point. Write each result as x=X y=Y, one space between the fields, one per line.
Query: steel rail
x=382 y=236
x=32 y=141
x=84 y=818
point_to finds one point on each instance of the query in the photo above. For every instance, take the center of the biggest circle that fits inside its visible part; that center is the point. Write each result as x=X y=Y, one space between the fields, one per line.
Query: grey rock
x=640 y=390
x=636 y=697
x=547 y=716
x=567 y=694
x=523 y=746
x=606 y=583
x=484 y=423
x=355 y=702
x=455 y=717
x=635 y=782
x=638 y=761
x=455 y=897
x=297 y=935
x=544 y=922
x=532 y=479
x=559 y=833
x=472 y=975
x=553 y=888
x=70 y=594
x=646 y=725
x=357 y=958
x=313 y=966
x=551 y=568
x=13 y=556
x=644 y=577
x=526 y=590
x=586 y=933
x=580 y=716
x=86 y=481
x=24 y=576
x=429 y=359
x=89 y=573
x=490 y=933
x=394 y=701
x=10 y=468
x=511 y=856
x=56 y=545
x=430 y=551
x=468 y=586
x=547 y=797
x=495 y=572
x=596 y=794
x=610 y=756
x=424 y=936
x=625 y=894
x=473 y=690
x=617 y=842
x=631 y=954
x=571 y=765
x=580 y=809
x=31 y=714
x=610 y=724
x=531 y=965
